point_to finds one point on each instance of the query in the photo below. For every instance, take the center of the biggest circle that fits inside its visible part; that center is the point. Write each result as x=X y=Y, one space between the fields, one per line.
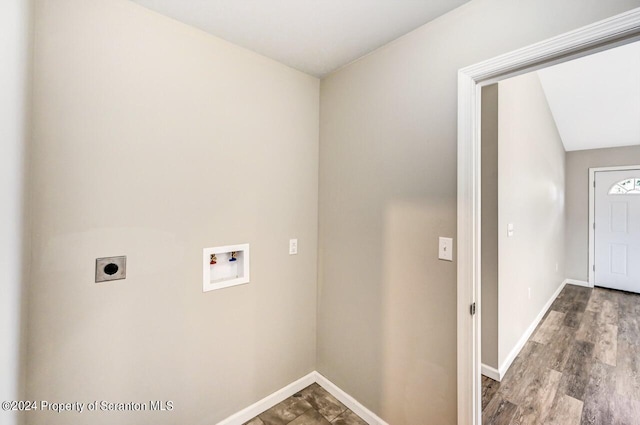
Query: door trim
x=592 y=214
x=617 y=30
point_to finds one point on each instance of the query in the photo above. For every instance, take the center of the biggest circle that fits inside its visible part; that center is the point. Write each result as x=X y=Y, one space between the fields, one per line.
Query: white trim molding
x=592 y=214
x=617 y=30
x=356 y=407
x=491 y=372
x=498 y=374
x=269 y=401
x=578 y=283
x=508 y=361
x=282 y=394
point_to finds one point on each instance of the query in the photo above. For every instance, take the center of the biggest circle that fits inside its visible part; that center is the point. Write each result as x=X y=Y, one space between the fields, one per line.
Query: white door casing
x=617 y=30
x=617 y=229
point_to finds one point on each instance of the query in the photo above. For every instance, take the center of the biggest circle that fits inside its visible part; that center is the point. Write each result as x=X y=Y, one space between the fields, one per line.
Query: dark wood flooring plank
x=584 y=294
x=499 y=412
x=578 y=301
x=627 y=411
x=629 y=320
x=629 y=332
x=538 y=398
x=311 y=417
x=489 y=390
x=564 y=300
x=573 y=319
x=628 y=371
x=588 y=329
x=608 y=313
x=348 y=418
x=577 y=371
x=595 y=302
x=549 y=327
x=581 y=366
x=628 y=304
x=565 y=411
x=557 y=351
x=522 y=372
x=284 y=412
x=320 y=399
x=606 y=345
x=599 y=399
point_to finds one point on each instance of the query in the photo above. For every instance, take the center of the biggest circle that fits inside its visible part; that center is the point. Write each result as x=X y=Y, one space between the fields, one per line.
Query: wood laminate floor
x=311 y=406
x=580 y=367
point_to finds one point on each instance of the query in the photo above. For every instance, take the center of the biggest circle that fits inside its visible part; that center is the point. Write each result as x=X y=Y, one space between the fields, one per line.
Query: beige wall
x=387 y=306
x=155 y=140
x=133 y=109
x=578 y=164
x=531 y=174
x=15 y=34
x=489 y=214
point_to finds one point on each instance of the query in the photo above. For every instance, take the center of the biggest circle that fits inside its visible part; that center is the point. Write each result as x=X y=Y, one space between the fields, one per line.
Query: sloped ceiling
x=595 y=100
x=313 y=36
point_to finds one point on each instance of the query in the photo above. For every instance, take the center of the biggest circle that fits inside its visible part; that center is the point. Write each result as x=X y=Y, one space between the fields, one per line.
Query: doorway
x=615 y=31
x=615 y=233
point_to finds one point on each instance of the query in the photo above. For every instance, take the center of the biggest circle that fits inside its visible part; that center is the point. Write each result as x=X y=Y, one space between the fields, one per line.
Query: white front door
x=617 y=230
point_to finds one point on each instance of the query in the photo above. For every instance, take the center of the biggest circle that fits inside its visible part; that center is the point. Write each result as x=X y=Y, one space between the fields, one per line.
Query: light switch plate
x=111 y=268
x=445 y=249
x=293 y=246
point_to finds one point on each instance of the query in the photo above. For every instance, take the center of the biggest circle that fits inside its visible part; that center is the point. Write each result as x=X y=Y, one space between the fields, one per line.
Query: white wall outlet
x=510 y=230
x=557 y=267
x=445 y=249
x=293 y=246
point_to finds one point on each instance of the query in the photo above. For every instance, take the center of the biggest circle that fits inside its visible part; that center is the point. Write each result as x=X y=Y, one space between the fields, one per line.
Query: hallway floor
x=311 y=406
x=580 y=366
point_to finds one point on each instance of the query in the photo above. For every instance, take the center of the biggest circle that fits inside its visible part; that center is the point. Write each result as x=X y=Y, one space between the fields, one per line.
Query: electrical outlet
x=293 y=246
x=111 y=268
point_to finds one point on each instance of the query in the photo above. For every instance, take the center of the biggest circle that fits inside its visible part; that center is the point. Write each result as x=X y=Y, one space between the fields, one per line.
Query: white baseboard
x=358 y=408
x=491 y=372
x=525 y=337
x=367 y=415
x=497 y=375
x=282 y=394
x=269 y=401
x=578 y=283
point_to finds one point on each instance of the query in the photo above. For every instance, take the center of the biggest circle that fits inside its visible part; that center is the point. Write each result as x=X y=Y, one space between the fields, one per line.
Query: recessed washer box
x=225 y=266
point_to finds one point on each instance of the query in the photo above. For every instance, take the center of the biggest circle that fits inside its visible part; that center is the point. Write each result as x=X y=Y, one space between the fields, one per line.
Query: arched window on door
x=626 y=187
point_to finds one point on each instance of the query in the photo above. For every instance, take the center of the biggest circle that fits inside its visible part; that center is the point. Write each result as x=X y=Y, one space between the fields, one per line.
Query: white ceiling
x=314 y=36
x=595 y=100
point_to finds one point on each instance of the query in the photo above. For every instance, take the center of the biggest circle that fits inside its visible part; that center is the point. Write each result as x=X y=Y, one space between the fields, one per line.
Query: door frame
x=592 y=214
x=617 y=30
